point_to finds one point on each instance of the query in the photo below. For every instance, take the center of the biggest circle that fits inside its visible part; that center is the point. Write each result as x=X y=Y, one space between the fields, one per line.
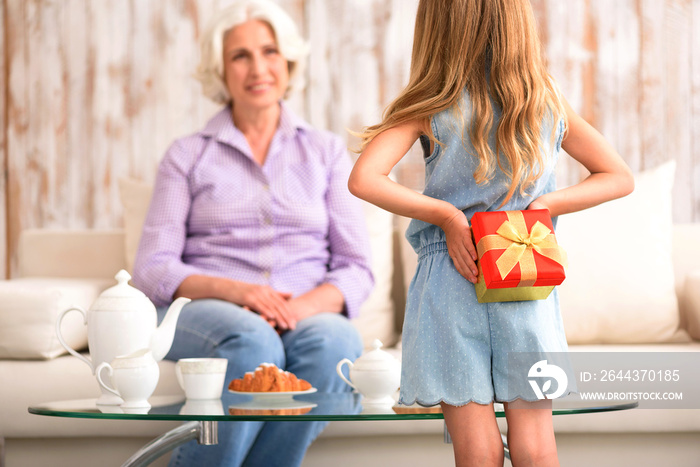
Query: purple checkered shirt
x=291 y=224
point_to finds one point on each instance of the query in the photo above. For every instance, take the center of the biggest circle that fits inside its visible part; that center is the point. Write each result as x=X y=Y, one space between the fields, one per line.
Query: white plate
x=282 y=395
x=273 y=404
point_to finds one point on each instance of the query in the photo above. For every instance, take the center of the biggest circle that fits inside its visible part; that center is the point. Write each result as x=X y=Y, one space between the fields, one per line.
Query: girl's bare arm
x=370 y=181
x=609 y=178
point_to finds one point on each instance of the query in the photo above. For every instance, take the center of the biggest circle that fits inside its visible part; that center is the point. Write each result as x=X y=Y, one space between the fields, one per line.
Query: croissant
x=299 y=411
x=268 y=378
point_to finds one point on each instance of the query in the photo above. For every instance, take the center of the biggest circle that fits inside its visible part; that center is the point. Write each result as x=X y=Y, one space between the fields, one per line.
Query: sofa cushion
x=135 y=196
x=376 y=319
x=61 y=253
x=620 y=281
x=29 y=309
x=62 y=379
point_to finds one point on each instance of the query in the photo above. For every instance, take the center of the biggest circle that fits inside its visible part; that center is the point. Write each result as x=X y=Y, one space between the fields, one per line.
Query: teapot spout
x=162 y=337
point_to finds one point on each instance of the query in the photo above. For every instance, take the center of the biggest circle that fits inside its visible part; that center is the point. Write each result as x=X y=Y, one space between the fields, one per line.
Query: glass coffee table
x=202 y=417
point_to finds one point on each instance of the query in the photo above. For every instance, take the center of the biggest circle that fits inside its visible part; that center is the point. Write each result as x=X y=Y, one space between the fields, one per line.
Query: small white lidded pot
x=134 y=377
x=376 y=375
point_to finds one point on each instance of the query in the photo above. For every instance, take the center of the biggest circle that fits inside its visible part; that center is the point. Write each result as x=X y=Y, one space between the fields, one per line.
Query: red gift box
x=519 y=258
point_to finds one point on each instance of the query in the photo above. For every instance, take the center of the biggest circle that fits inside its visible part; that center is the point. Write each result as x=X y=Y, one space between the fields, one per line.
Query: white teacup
x=134 y=378
x=202 y=407
x=201 y=378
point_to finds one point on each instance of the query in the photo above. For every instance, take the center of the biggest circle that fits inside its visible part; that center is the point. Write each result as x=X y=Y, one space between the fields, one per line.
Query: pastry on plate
x=268 y=378
x=299 y=411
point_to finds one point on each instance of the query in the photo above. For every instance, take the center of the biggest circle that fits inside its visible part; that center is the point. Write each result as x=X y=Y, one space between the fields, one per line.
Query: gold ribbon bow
x=519 y=246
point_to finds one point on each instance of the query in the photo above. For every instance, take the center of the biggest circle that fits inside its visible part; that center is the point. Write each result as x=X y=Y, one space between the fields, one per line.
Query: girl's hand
x=460 y=245
x=537 y=204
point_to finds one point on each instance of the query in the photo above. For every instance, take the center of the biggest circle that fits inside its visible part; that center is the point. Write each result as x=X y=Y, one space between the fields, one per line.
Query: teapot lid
x=122 y=297
x=123 y=289
x=375 y=359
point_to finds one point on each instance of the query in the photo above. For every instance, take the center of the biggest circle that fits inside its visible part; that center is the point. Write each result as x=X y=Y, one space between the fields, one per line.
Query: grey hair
x=210 y=72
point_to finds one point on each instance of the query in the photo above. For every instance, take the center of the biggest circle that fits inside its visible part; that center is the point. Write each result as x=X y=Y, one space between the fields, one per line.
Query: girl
x=491 y=124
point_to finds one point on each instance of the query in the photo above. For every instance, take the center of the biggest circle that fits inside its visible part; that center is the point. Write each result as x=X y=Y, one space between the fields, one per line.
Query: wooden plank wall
x=96 y=90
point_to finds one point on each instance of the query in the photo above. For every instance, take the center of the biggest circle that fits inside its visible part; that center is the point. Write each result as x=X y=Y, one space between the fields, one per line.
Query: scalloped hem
x=477 y=401
x=438 y=401
x=526 y=399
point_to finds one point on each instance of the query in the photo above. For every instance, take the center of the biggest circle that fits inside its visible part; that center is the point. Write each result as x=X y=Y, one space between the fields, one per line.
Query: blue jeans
x=215 y=328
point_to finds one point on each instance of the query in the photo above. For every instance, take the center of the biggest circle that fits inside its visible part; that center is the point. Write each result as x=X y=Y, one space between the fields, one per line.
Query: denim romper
x=456 y=350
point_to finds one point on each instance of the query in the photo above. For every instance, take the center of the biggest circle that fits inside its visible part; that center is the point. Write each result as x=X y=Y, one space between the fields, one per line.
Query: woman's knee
x=221 y=329
x=253 y=342
x=328 y=335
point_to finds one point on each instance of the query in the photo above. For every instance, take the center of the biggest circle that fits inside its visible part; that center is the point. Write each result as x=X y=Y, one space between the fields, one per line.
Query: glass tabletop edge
x=89 y=413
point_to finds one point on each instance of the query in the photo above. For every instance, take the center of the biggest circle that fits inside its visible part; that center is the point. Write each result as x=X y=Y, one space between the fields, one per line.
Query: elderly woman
x=251 y=218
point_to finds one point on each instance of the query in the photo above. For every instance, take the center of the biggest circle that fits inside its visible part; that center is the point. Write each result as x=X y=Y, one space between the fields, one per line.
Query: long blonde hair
x=455 y=42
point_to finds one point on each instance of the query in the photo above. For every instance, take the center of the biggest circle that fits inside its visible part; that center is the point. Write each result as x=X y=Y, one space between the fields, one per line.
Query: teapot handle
x=98 y=370
x=339 y=370
x=63 y=342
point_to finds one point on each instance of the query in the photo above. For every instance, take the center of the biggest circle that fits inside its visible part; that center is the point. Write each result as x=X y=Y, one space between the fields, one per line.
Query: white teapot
x=376 y=375
x=121 y=321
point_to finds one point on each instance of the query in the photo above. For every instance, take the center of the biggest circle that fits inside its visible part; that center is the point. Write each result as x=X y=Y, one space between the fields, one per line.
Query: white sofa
x=61 y=268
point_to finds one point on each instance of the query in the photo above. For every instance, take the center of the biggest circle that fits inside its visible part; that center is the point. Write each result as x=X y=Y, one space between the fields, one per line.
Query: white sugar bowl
x=376 y=375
